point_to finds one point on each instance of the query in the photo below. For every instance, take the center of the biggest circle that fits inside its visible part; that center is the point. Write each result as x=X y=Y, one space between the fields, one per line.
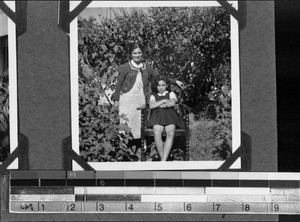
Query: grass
x=202 y=139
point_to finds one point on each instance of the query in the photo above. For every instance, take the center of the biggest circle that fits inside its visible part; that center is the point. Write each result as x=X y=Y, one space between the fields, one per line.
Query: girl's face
x=136 y=55
x=161 y=86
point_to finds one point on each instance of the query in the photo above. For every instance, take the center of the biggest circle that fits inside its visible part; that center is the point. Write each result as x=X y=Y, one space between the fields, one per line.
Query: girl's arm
x=154 y=104
x=170 y=102
x=120 y=81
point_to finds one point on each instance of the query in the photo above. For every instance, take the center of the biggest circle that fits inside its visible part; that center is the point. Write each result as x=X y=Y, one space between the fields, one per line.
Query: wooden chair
x=147 y=133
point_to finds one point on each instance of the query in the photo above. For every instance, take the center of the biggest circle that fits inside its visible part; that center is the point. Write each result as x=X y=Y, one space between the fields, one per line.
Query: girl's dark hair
x=134 y=46
x=158 y=78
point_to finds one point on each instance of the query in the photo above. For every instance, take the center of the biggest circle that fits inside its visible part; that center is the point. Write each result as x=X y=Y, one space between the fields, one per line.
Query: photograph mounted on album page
x=155 y=87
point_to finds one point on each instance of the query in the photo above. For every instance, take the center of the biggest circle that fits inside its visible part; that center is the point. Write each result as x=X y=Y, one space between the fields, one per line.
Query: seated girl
x=164 y=116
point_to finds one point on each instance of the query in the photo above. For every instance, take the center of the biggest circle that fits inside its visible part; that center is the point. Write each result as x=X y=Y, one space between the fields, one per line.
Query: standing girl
x=131 y=88
x=164 y=116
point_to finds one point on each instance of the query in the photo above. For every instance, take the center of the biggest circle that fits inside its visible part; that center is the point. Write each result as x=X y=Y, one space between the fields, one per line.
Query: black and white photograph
x=8 y=86
x=155 y=86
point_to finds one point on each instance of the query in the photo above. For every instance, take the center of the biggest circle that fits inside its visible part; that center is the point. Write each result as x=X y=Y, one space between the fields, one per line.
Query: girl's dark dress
x=165 y=116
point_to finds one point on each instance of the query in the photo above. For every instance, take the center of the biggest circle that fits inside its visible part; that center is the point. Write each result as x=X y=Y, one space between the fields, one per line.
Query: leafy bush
x=4 y=116
x=188 y=44
x=100 y=136
x=223 y=119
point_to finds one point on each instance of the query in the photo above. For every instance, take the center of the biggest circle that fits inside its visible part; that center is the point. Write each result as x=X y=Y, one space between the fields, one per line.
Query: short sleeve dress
x=165 y=116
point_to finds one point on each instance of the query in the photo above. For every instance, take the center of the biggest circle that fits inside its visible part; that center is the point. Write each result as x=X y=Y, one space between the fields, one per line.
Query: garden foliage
x=187 y=44
x=4 y=116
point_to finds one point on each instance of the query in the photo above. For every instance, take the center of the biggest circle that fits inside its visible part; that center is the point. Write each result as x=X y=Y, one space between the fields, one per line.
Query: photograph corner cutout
x=195 y=42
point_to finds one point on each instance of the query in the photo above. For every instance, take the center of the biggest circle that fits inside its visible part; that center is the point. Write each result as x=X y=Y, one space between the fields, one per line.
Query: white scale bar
x=138 y=190
x=240 y=190
x=253 y=198
x=173 y=198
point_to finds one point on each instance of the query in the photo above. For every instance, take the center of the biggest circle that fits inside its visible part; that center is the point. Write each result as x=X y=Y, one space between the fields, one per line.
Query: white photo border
x=172 y=165
x=12 y=84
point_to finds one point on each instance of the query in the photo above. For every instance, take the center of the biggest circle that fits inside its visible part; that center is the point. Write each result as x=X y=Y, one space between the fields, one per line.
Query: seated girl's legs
x=170 y=130
x=158 y=139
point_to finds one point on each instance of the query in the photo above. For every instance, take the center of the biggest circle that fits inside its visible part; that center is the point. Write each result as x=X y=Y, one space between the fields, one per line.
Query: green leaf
x=111 y=79
x=104 y=79
x=116 y=73
x=111 y=59
x=94 y=55
x=124 y=127
x=104 y=48
x=96 y=93
x=116 y=48
x=87 y=71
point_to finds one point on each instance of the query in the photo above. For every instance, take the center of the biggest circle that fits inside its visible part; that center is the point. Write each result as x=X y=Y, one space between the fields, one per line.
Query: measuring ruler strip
x=154 y=207
x=148 y=191
x=159 y=197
